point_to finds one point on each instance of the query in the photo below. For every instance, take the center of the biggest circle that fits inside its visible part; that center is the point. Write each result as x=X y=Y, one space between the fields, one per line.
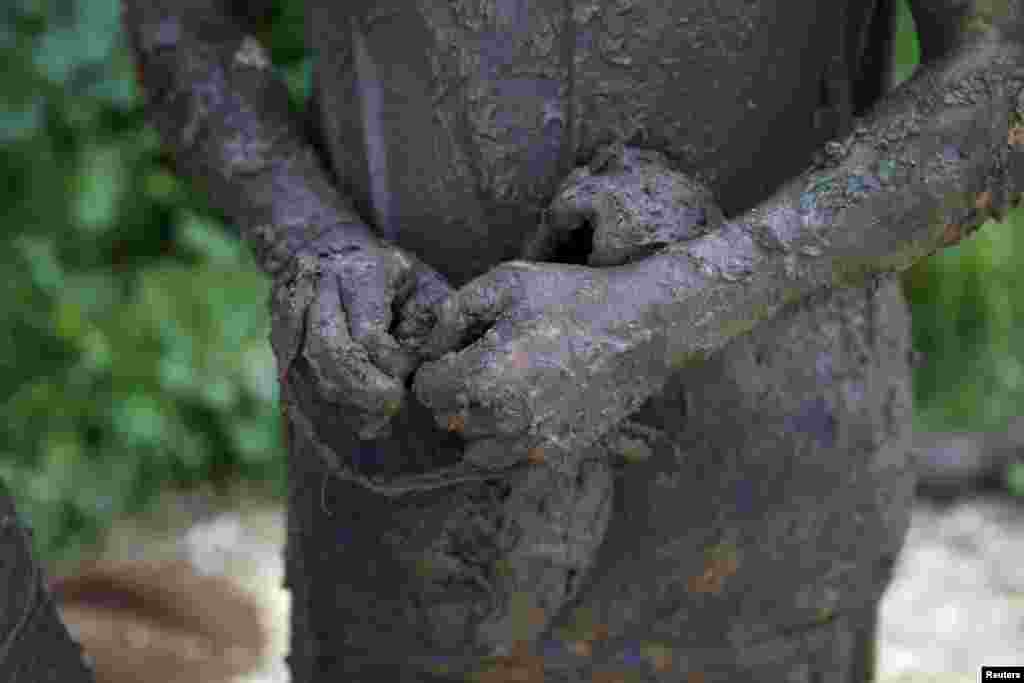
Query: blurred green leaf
x=41 y=255
x=256 y=440
x=219 y=393
x=206 y=238
x=299 y=77
x=906 y=49
x=89 y=37
x=1015 y=479
x=101 y=183
x=161 y=185
x=20 y=120
x=968 y=320
x=967 y=315
x=139 y=419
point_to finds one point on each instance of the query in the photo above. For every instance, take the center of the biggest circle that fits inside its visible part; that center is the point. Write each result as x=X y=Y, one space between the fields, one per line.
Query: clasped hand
x=526 y=358
x=531 y=360
x=533 y=357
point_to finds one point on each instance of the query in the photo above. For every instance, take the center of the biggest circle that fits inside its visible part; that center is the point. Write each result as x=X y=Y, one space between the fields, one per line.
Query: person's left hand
x=534 y=359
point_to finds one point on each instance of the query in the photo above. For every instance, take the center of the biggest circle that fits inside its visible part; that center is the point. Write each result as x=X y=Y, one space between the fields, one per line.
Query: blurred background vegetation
x=133 y=348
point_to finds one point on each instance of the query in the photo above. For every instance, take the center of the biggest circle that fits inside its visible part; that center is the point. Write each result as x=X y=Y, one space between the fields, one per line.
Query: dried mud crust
x=634 y=203
x=521 y=546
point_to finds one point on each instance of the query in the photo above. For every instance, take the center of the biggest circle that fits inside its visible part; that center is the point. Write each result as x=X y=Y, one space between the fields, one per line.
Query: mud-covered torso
x=757 y=532
x=454 y=121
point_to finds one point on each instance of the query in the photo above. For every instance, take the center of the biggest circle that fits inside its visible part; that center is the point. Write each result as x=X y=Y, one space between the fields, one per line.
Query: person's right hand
x=334 y=322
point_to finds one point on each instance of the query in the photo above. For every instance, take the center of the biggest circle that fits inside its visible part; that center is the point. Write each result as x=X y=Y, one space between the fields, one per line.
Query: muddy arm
x=934 y=160
x=217 y=104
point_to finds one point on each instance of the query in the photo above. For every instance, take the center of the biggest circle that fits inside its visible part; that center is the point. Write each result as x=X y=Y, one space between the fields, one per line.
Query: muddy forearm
x=933 y=161
x=213 y=96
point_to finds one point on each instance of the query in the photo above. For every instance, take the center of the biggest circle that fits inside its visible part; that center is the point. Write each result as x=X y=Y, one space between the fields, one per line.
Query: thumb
x=366 y=296
x=470 y=311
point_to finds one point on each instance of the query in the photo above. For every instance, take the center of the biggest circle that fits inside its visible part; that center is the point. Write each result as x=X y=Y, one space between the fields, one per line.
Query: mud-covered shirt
x=454 y=121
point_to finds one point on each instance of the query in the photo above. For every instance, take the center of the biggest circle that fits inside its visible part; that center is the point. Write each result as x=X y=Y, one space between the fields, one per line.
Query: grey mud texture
x=751 y=533
x=753 y=529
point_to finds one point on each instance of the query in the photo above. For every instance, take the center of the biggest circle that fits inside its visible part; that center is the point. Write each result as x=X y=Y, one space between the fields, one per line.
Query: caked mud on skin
x=630 y=202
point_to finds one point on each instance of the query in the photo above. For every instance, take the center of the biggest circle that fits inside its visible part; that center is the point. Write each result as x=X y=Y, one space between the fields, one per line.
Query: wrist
x=342 y=238
x=276 y=246
x=684 y=298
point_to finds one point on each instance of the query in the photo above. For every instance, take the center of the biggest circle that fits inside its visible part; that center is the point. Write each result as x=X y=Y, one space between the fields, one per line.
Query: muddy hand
x=533 y=360
x=634 y=202
x=334 y=319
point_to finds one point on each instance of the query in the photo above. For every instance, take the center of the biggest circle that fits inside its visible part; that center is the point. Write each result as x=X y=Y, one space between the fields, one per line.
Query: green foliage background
x=968 y=316
x=133 y=348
